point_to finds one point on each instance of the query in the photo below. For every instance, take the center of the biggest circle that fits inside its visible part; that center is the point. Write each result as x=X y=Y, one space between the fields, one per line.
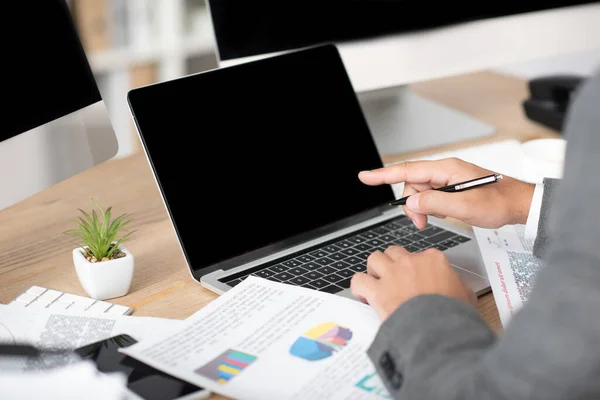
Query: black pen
x=458 y=187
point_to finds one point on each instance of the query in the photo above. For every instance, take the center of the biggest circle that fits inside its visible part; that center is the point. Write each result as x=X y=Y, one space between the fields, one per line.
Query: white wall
x=584 y=63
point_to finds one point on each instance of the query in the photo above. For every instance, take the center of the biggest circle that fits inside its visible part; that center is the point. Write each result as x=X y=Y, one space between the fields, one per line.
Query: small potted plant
x=104 y=266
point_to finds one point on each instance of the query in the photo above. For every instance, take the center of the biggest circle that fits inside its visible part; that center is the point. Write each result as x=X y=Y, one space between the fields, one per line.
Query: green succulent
x=98 y=235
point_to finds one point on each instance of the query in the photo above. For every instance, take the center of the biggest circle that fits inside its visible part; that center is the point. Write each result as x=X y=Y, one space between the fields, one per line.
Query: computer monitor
x=388 y=44
x=54 y=123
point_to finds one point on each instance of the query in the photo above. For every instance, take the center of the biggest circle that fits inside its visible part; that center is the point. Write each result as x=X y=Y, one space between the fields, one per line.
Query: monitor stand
x=402 y=122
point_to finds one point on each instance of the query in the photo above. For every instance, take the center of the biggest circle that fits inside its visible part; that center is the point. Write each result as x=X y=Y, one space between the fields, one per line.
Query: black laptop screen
x=250 y=155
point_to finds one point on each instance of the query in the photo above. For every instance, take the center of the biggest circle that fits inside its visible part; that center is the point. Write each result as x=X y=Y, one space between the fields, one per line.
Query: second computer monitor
x=387 y=45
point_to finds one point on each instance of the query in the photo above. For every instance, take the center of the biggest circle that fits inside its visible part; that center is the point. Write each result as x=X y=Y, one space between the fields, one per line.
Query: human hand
x=491 y=206
x=395 y=276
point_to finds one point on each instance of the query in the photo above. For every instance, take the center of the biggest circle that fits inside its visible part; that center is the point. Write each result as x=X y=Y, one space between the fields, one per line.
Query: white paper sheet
x=268 y=340
x=68 y=330
x=510 y=264
x=70 y=382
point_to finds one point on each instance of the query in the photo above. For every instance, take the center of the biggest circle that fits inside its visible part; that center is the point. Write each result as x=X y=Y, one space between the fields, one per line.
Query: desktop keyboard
x=330 y=266
x=37 y=297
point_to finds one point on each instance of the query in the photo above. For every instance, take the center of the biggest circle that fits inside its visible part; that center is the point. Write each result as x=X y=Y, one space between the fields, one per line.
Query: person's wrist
x=521 y=199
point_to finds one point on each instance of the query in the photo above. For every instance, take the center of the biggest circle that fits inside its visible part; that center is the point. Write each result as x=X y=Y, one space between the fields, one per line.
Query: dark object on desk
x=146 y=382
x=26 y=350
x=458 y=187
x=549 y=99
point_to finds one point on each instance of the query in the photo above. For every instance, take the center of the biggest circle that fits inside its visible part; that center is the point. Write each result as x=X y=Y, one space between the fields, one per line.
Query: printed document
x=510 y=265
x=64 y=330
x=269 y=340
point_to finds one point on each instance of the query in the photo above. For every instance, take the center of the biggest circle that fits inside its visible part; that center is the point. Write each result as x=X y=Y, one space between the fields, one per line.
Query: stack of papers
x=268 y=340
x=510 y=264
x=65 y=375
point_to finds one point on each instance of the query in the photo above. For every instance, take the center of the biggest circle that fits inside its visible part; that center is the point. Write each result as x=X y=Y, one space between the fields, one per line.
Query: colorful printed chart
x=321 y=341
x=226 y=366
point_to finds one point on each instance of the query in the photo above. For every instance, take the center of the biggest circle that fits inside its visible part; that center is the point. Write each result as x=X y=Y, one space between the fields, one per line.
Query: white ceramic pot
x=106 y=279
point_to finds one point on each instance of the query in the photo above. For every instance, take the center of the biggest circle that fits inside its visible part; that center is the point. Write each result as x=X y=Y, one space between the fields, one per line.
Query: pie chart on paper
x=321 y=342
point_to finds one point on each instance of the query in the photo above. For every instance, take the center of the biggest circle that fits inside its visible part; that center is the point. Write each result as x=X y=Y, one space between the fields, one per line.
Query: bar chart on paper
x=226 y=366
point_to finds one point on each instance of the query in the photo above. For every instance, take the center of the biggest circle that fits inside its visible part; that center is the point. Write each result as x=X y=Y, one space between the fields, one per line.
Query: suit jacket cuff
x=421 y=334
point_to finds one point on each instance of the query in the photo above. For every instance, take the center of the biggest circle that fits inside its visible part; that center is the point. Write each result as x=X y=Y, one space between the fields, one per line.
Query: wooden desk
x=34 y=250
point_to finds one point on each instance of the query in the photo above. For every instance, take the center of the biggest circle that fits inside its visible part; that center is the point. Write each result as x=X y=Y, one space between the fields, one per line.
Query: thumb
x=433 y=202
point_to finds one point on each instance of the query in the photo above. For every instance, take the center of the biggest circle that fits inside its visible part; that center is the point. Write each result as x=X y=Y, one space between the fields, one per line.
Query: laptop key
x=363 y=256
x=308 y=285
x=318 y=253
x=291 y=263
x=357 y=239
x=344 y=244
x=421 y=244
x=435 y=228
x=272 y=278
x=340 y=265
x=311 y=266
x=401 y=242
x=411 y=229
x=299 y=280
x=284 y=276
x=333 y=278
x=350 y=252
x=440 y=237
x=319 y=283
x=297 y=271
x=278 y=268
x=439 y=247
x=264 y=273
x=380 y=230
x=415 y=237
x=324 y=261
x=412 y=249
x=431 y=230
x=387 y=238
x=326 y=270
x=346 y=273
x=461 y=239
x=449 y=243
x=358 y=267
x=337 y=256
x=369 y=235
x=375 y=242
x=234 y=282
x=345 y=283
x=331 y=248
x=353 y=260
x=403 y=221
x=363 y=247
x=392 y=226
x=312 y=275
x=305 y=258
x=331 y=289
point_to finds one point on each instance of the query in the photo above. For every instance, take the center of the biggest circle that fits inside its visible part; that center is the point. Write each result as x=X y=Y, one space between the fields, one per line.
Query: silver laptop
x=258 y=164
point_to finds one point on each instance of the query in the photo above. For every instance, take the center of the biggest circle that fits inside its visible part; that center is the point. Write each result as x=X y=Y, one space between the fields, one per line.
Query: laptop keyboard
x=329 y=267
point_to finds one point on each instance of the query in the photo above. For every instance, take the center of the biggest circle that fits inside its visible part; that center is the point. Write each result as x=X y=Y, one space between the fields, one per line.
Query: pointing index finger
x=433 y=171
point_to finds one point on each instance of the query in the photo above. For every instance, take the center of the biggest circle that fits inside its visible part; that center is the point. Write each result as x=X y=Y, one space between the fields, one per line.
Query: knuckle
x=372 y=258
x=433 y=253
x=455 y=162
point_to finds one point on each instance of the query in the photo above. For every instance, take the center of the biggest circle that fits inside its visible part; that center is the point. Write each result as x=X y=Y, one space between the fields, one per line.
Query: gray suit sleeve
x=542 y=238
x=434 y=347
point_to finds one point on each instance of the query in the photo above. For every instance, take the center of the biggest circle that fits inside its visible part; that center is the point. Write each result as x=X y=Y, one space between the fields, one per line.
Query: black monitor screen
x=45 y=72
x=247 y=28
x=250 y=155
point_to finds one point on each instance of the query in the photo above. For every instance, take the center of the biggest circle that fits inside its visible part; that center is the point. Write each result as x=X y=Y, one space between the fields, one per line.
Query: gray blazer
x=434 y=347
